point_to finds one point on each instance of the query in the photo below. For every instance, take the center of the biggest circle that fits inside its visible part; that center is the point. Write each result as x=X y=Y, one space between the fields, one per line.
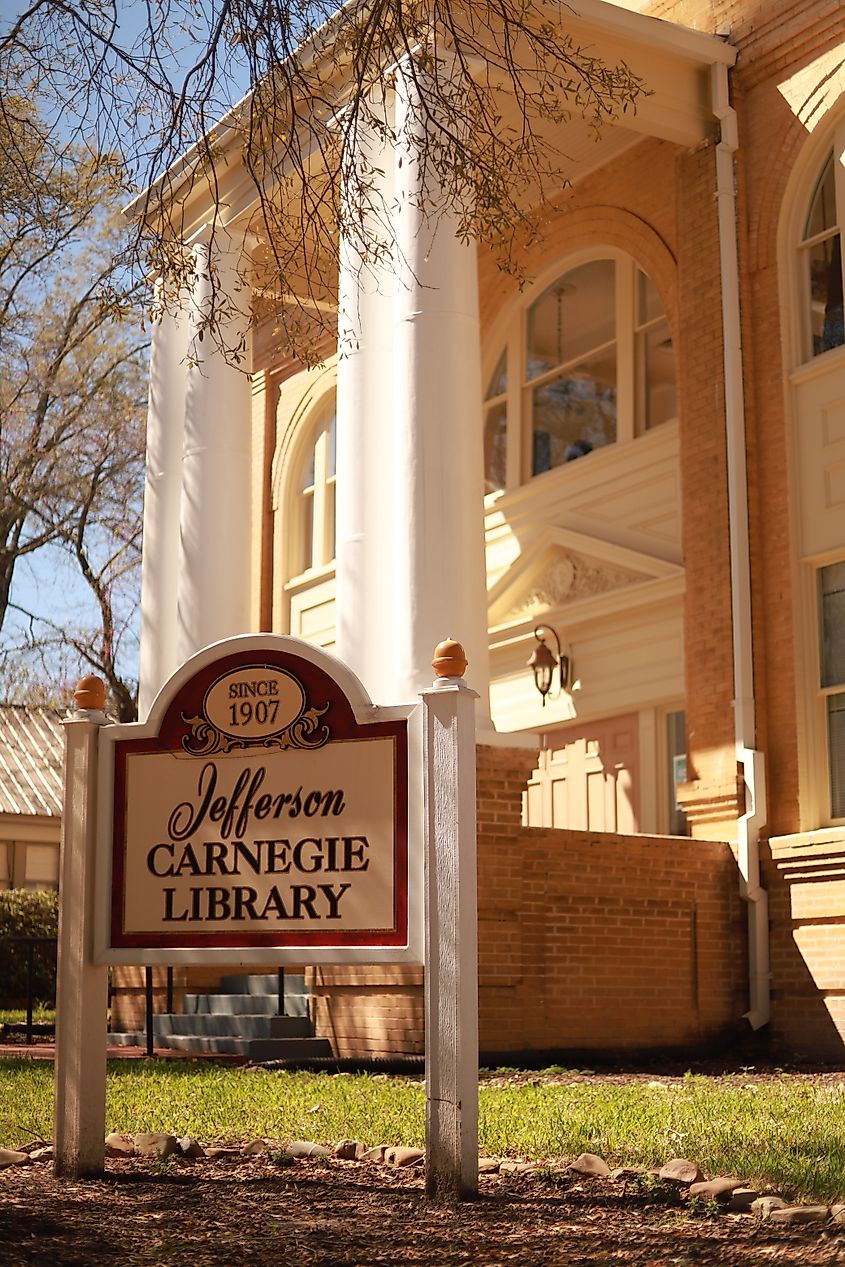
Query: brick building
x=648 y=441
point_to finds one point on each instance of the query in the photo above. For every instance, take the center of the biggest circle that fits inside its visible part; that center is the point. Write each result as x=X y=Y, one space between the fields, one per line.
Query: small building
x=31 y=759
x=642 y=450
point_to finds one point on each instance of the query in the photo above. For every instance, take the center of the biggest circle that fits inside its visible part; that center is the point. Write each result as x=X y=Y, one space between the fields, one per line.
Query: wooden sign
x=265 y=812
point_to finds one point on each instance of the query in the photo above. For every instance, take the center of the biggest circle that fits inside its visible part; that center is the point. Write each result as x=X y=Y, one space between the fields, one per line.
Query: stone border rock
x=678 y=1180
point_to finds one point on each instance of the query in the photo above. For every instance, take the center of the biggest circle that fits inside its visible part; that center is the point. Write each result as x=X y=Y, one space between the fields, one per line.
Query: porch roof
x=673 y=61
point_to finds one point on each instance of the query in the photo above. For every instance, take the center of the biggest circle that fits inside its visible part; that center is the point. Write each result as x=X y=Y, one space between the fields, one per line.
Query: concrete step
x=242 y=1020
x=240 y=1004
x=262 y=983
x=243 y=1026
x=250 y=1048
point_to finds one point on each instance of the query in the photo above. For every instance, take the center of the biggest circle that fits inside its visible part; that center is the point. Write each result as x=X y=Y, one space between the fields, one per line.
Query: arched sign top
x=268 y=690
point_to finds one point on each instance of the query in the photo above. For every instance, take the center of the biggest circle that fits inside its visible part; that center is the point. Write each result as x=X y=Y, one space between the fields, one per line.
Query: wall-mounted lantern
x=543 y=662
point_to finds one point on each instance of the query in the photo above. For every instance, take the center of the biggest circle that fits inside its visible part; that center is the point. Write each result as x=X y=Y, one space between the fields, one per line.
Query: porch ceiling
x=674 y=64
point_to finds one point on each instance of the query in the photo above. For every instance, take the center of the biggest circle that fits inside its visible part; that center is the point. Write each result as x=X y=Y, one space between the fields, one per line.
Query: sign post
x=451 y=938
x=81 y=986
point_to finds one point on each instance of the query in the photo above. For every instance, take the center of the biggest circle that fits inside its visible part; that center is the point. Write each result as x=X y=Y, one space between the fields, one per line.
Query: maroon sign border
x=320 y=690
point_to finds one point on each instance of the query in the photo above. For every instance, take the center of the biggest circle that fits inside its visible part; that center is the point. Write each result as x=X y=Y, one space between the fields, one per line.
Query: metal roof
x=31 y=756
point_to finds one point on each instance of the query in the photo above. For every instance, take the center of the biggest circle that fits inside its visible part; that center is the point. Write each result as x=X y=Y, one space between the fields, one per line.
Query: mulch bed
x=254 y=1213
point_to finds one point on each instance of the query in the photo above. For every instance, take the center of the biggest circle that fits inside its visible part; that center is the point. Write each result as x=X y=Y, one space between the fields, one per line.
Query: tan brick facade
x=592 y=940
x=787 y=89
x=806 y=881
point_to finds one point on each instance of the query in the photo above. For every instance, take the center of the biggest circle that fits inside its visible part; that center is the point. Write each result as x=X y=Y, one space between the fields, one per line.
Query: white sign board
x=266 y=812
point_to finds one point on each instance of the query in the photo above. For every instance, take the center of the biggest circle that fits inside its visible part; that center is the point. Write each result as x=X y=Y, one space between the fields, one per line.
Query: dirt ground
x=253 y=1213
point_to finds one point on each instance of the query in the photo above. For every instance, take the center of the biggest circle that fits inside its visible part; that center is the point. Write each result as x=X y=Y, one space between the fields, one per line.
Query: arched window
x=813 y=224
x=586 y=363
x=822 y=251
x=314 y=527
x=817 y=387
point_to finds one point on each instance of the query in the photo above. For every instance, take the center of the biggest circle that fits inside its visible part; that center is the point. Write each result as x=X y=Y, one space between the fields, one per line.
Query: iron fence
x=28 y=974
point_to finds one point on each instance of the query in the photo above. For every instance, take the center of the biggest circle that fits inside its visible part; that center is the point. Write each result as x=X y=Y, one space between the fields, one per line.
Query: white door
x=588 y=778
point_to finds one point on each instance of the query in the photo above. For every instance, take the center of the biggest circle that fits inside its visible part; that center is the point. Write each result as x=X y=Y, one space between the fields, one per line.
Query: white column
x=364 y=394
x=81 y=987
x=162 y=496
x=214 y=545
x=437 y=424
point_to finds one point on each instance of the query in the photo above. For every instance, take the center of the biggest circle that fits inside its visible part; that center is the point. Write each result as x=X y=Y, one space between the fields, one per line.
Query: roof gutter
x=751 y=761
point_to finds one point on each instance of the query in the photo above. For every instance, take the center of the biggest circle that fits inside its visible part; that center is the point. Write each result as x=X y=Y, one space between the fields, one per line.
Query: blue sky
x=47 y=582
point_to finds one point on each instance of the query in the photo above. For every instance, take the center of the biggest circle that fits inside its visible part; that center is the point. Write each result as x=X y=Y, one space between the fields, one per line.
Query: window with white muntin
x=314 y=544
x=822 y=337
x=587 y=361
x=821 y=249
x=832 y=677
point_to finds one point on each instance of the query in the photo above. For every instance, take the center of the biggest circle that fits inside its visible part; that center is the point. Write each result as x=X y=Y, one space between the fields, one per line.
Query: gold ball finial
x=449 y=659
x=90 y=692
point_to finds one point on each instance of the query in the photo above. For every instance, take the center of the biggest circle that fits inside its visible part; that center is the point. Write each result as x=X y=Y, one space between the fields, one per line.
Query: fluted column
x=437 y=426
x=364 y=563
x=162 y=497
x=214 y=537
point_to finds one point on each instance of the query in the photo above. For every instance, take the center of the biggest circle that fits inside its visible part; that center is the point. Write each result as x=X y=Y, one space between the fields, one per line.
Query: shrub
x=24 y=914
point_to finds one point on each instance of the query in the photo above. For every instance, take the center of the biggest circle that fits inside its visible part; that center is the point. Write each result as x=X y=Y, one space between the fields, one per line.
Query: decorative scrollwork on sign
x=204 y=739
x=306 y=731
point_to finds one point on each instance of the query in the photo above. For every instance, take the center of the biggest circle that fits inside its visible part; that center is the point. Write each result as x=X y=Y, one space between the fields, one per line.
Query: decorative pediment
x=562 y=568
x=569 y=576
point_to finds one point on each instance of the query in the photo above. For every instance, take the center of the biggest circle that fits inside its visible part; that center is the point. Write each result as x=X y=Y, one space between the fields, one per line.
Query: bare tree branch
x=72 y=403
x=294 y=83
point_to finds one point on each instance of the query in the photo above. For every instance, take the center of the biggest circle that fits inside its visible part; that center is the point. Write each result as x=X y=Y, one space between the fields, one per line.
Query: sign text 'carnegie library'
x=262 y=814
x=234 y=814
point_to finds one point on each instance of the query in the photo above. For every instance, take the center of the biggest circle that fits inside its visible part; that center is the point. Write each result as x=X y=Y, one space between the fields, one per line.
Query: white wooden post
x=451 y=939
x=81 y=988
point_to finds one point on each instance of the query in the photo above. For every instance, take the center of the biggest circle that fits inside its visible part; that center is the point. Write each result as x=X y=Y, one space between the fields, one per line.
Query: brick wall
x=711 y=797
x=595 y=941
x=609 y=942
x=369 y=1010
x=585 y=941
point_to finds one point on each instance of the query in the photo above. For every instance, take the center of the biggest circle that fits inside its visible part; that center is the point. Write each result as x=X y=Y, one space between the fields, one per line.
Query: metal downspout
x=748 y=758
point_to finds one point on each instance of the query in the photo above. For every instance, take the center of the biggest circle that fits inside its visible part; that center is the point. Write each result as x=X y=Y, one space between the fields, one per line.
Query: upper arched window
x=586 y=363
x=822 y=251
x=314 y=528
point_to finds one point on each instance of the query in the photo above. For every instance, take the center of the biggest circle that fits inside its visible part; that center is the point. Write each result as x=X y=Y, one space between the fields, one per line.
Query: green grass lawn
x=787 y=1132
x=17 y=1015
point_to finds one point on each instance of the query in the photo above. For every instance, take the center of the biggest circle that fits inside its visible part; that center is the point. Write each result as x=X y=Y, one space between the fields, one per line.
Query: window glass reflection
x=657 y=394
x=499 y=380
x=823 y=206
x=826 y=315
x=495 y=448
x=573 y=316
x=574 y=414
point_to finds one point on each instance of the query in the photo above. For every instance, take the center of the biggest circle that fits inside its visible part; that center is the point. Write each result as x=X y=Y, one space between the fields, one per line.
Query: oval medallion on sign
x=254 y=702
